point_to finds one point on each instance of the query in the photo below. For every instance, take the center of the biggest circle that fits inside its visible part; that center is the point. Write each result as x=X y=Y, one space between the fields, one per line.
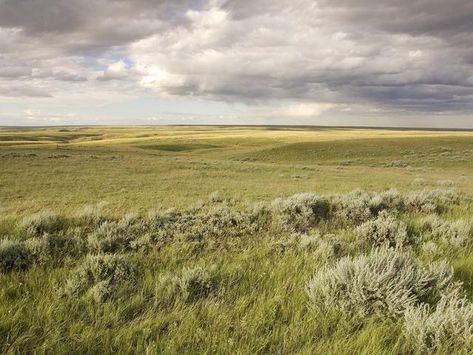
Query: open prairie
x=235 y=240
x=141 y=168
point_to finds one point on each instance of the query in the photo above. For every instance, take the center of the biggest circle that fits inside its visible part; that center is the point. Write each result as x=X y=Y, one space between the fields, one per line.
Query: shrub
x=220 y=222
x=328 y=246
x=300 y=212
x=38 y=248
x=111 y=237
x=68 y=242
x=259 y=216
x=359 y=206
x=385 y=230
x=14 y=255
x=452 y=233
x=216 y=222
x=103 y=275
x=447 y=328
x=429 y=201
x=192 y=283
x=430 y=248
x=351 y=208
x=40 y=223
x=385 y=282
x=386 y=200
x=142 y=243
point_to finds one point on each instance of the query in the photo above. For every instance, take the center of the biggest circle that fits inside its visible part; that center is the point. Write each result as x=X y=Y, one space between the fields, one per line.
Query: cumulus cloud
x=295 y=58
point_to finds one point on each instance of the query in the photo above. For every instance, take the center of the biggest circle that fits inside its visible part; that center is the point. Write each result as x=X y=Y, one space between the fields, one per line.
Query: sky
x=276 y=62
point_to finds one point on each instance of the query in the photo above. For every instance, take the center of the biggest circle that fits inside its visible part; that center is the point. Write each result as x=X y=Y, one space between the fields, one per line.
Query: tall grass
x=304 y=274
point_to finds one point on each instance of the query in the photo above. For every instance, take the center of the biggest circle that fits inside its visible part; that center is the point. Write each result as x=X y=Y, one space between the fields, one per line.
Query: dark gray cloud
x=401 y=55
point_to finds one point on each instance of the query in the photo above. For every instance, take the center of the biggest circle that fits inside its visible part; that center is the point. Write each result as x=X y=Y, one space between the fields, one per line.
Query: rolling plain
x=231 y=240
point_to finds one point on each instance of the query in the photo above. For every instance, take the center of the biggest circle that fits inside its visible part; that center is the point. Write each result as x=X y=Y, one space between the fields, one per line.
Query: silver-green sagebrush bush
x=217 y=222
x=300 y=212
x=101 y=275
x=192 y=283
x=40 y=223
x=446 y=327
x=117 y=236
x=451 y=233
x=429 y=201
x=14 y=256
x=68 y=242
x=326 y=247
x=384 y=231
x=351 y=208
x=385 y=282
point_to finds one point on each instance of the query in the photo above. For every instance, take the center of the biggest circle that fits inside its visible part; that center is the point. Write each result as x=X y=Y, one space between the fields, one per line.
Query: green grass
x=143 y=168
x=177 y=147
x=260 y=305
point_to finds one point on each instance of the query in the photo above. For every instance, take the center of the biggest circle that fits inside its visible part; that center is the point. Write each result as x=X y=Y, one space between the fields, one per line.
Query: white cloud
x=296 y=59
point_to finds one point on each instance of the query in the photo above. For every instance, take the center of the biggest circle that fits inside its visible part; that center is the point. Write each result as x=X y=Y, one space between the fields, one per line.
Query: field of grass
x=143 y=168
x=198 y=240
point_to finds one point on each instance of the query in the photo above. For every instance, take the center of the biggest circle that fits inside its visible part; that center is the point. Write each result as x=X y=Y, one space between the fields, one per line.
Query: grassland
x=92 y=259
x=142 y=168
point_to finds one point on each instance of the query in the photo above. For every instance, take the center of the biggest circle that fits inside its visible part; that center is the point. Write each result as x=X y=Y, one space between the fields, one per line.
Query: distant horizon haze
x=392 y=63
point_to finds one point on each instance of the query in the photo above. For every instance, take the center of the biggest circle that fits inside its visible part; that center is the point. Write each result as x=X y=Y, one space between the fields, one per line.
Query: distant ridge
x=276 y=127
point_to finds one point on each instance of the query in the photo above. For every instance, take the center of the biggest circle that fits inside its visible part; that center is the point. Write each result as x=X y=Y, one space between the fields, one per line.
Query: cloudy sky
x=325 y=62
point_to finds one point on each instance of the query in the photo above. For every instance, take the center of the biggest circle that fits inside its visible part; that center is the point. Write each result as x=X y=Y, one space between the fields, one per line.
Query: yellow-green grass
x=260 y=305
x=147 y=167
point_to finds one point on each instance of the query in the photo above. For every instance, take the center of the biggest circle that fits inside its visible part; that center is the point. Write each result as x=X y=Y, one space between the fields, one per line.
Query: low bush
x=385 y=230
x=14 y=256
x=326 y=247
x=359 y=206
x=447 y=327
x=429 y=201
x=218 y=222
x=385 y=200
x=40 y=223
x=384 y=282
x=451 y=233
x=69 y=242
x=102 y=275
x=117 y=236
x=38 y=248
x=300 y=212
x=192 y=283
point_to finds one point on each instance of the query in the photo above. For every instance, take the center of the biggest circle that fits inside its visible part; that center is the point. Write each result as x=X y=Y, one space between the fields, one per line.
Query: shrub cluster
x=359 y=206
x=451 y=233
x=429 y=201
x=385 y=282
x=101 y=275
x=14 y=256
x=49 y=235
x=328 y=246
x=385 y=230
x=300 y=212
x=447 y=327
x=38 y=224
x=116 y=236
x=192 y=283
x=217 y=222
